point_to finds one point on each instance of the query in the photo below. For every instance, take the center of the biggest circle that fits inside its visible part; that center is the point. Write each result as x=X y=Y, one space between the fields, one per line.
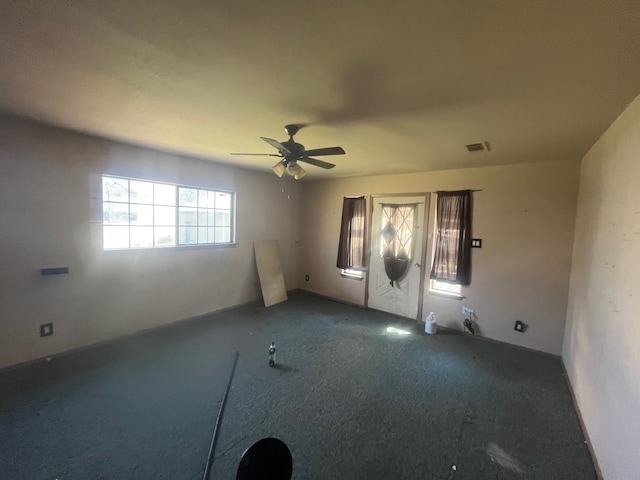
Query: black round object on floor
x=267 y=459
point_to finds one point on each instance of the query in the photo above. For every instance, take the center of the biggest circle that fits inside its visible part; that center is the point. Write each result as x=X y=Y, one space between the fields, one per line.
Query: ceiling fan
x=292 y=153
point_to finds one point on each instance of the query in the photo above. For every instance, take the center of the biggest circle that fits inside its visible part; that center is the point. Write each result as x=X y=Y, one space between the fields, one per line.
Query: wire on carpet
x=214 y=437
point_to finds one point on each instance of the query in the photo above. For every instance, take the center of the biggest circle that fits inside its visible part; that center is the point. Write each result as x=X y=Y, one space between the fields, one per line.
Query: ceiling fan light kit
x=296 y=171
x=292 y=152
x=279 y=169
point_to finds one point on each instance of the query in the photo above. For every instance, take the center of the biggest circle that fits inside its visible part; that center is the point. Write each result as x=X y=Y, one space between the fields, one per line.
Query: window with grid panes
x=142 y=214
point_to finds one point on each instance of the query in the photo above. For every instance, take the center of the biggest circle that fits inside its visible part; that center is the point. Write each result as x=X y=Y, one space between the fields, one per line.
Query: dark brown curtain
x=452 y=256
x=351 y=245
x=397 y=237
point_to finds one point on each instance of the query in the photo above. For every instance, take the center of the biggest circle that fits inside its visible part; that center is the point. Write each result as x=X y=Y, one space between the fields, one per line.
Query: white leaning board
x=270 y=272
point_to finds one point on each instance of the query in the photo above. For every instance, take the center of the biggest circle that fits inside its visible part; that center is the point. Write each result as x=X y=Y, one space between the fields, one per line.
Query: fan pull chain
x=284 y=184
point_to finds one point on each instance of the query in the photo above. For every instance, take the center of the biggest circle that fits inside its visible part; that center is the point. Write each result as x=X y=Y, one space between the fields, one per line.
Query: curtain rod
x=402 y=194
x=476 y=190
x=465 y=190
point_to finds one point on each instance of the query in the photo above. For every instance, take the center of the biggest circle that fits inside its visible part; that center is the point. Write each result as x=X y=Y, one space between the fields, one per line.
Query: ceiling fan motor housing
x=296 y=149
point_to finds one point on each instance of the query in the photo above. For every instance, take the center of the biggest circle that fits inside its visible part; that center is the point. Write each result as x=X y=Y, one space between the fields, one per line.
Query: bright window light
x=397 y=331
x=140 y=214
x=350 y=272
x=446 y=288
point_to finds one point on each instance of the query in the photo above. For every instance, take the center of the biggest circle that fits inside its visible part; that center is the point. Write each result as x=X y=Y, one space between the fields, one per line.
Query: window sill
x=440 y=293
x=354 y=273
x=354 y=277
x=173 y=248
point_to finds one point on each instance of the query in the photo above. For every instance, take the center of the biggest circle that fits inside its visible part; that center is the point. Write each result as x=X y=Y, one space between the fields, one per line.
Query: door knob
x=418 y=265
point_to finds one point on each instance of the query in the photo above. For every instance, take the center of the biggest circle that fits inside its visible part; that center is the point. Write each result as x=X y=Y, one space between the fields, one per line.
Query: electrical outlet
x=46 y=329
x=468 y=311
x=519 y=326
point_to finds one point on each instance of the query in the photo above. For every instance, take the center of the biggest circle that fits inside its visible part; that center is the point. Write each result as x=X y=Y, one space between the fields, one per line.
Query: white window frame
x=353 y=273
x=187 y=216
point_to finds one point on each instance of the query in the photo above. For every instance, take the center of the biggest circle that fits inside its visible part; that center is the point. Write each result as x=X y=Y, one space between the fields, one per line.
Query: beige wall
x=525 y=215
x=45 y=222
x=602 y=338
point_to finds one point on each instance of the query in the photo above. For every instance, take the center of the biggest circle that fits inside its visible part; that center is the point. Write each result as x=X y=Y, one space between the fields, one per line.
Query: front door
x=397 y=244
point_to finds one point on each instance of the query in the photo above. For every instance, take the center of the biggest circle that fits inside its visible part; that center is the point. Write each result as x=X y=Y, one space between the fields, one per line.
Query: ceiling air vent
x=478 y=147
x=475 y=147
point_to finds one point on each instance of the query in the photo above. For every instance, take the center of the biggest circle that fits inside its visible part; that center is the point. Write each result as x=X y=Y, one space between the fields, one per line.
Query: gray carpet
x=350 y=399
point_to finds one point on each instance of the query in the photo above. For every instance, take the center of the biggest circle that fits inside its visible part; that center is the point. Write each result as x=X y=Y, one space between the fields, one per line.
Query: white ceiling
x=402 y=85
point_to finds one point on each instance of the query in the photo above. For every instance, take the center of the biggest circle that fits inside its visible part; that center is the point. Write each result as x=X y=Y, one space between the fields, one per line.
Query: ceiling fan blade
x=261 y=154
x=276 y=144
x=316 y=162
x=325 y=151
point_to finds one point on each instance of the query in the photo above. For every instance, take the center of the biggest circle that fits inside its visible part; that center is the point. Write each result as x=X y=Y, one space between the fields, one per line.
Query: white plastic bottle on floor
x=430 y=324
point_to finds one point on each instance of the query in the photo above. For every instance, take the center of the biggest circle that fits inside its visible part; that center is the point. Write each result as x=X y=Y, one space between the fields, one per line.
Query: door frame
x=425 y=240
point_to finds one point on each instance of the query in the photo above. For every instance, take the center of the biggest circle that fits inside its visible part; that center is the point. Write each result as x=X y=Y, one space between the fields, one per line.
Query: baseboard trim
x=327 y=297
x=440 y=327
x=583 y=427
x=499 y=342
x=113 y=340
